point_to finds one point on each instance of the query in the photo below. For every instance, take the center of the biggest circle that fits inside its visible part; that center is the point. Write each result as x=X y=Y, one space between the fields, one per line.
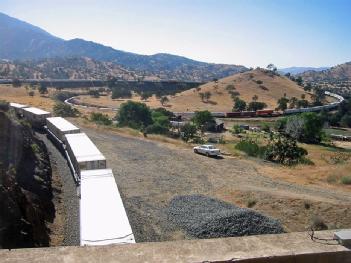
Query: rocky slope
x=340 y=72
x=25 y=186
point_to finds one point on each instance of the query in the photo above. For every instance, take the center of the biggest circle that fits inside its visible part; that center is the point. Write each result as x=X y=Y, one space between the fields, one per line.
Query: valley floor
x=149 y=174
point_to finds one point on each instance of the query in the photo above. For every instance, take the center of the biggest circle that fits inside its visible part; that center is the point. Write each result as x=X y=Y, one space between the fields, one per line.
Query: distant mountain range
x=340 y=72
x=299 y=70
x=22 y=41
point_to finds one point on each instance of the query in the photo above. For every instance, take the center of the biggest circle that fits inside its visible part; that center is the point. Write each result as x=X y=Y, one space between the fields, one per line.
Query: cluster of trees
x=254 y=105
x=342 y=117
x=148 y=88
x=205 y=96
x=137 y=115
x=306 y=127
x=285 y=103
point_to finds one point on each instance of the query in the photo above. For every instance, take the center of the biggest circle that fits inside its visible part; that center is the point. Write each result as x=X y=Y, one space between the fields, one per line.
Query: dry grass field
x=245 y=83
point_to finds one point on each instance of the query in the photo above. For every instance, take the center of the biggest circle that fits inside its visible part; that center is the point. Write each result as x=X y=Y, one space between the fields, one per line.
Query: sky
x=246 y=32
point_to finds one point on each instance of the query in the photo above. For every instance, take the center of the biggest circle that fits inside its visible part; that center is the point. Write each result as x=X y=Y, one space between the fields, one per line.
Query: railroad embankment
x=25 y=186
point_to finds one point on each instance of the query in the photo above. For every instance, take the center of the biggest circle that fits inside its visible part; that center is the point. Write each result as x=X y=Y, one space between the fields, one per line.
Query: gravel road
x=150 y=174
x=69 y=196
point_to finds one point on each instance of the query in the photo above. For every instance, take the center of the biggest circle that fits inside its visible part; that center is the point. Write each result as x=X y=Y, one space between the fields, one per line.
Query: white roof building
x=103 y=219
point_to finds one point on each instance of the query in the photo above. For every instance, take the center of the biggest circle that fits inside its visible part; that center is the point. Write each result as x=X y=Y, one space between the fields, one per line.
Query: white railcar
x=83 y=153
x=60 y=127
x=103 y=219
x=18 y=108
x=35 y=116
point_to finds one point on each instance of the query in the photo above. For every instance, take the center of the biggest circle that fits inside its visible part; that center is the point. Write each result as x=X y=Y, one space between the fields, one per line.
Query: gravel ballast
x=205 y=217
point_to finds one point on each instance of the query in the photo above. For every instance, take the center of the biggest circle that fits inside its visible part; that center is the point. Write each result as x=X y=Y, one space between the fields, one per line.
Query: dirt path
x=150 y=174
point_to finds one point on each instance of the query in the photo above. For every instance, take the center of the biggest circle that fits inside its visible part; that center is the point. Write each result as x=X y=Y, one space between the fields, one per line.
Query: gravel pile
x=204 y=217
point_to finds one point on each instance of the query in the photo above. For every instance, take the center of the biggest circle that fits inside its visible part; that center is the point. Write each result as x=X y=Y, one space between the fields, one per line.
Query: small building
x=35 y=116
x=103 y=218
x=60 y=127
x=83 y=153
x=18 y=108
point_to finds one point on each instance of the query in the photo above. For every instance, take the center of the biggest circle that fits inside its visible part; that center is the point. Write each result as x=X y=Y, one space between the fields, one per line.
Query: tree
x=308 y=87
x=272 y=67
x=239 y=105
x=188 y=131
x=134 y=115
x=255 y=98
x=164 y=100
x=283 y=103
x=31 y=93
x=284 y=150
x=293 y=102
x=145 y=95
x=16 y=83
x=203 y=119
x=94 y=93
x=202 y=96
x=43 y=88
x=208 y=95
x=121 y=92
x=299 y=80
x=64 y=110
x=256 y=105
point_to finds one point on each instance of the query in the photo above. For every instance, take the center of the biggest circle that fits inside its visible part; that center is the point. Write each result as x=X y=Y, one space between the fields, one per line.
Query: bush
x=100 y=118
x=346 y=180
x=265 y=127
x=65 y=110
x=156 y=128
x=203 y=119
x=118 y=93
x=250 y=147
x=237 y=129
x=94 y=93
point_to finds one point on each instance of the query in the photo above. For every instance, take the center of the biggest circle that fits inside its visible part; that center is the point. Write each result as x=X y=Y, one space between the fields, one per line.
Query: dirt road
x=150 y=174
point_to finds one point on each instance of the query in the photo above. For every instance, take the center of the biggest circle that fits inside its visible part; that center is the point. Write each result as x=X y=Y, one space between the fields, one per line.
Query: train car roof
x=17 y=105
x=62 y=124
x=36 y=111
x=103 y=219
x=83 y=148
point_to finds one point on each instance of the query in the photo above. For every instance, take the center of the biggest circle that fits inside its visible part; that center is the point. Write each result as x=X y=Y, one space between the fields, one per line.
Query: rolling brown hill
x=247 y=84
x=63 y=68
x=340 y=72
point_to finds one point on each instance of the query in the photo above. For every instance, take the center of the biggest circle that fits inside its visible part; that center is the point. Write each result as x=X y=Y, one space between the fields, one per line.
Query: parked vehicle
x=207 y=149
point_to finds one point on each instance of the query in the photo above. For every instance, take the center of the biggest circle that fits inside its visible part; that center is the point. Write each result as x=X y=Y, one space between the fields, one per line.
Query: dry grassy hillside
x=272 y=88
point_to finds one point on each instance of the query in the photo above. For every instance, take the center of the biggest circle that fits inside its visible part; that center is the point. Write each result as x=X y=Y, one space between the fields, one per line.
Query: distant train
x=103 y=219
x=268 y=112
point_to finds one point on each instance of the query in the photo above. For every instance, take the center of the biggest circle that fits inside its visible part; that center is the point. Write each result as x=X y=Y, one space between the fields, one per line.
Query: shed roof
x=62 y=124
x=103 y=219
x=83 y=148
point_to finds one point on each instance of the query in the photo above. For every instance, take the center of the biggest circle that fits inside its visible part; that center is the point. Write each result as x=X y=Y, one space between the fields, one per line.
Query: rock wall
x=25 y=186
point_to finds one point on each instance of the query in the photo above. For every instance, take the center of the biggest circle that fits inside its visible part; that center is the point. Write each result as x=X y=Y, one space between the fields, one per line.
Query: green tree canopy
x=134 y=115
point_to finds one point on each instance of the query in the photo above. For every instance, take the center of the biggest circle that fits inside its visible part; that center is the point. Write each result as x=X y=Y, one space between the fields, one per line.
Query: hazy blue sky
x=248 y=32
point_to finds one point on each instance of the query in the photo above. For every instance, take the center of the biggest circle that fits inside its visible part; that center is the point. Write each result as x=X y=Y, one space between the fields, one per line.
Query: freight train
x=268 y=112
x=103 y=219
